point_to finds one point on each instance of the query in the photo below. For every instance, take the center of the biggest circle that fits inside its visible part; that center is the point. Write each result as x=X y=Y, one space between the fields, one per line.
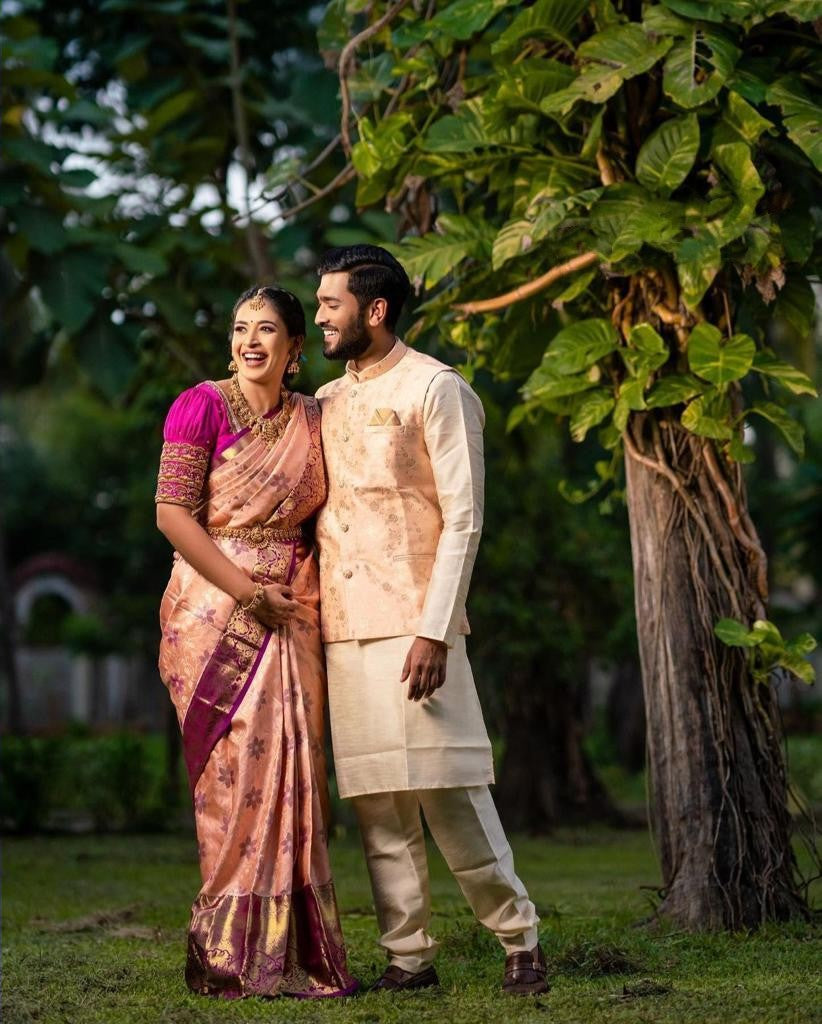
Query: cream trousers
x=466 y=828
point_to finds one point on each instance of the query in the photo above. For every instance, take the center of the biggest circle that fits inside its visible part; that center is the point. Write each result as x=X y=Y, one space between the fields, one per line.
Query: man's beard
x=353 y=340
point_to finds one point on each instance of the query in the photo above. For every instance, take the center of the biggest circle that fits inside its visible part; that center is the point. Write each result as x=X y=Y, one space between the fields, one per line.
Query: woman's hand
x=279 y=606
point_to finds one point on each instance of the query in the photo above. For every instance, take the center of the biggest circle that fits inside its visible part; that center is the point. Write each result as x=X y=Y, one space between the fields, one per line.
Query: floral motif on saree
x=250 y=705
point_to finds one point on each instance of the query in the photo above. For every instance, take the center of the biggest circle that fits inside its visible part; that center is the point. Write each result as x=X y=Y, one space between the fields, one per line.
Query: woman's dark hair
x=373 y=273
x=287 y=305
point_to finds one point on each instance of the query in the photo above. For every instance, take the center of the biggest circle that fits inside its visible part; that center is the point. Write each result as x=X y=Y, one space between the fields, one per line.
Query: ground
x=94 y=933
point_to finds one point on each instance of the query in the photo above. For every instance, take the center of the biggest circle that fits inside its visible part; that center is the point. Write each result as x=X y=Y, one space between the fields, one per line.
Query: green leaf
x=735 y=163
x=432 y=257
x=698 y=261
x=798 y=665
x=673 y=390
x=668 y=155
x=716 y=358
x=734 y=634
x=72 y=284
x=460 y=20
x=740 y=122
x=170 y=110
x=457 y=133
x=631 y=399
x=698 y=66
x=792 y=431
x=380 y=147
x=592 y=409
x=796 y=305
x=523 y=86
x=580 y=345
x=739 y=451
x=794 y=380
x=612 y=57
x=552 y=19
x=627 y=217
x=42 y=229
x=802 y=116
x=514 y=238
x=709 y=416
x=140 y=260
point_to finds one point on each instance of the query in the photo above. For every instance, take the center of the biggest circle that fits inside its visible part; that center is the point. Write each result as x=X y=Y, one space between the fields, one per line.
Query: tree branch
x=345 y=175
x=347 y=56
x=525 y=291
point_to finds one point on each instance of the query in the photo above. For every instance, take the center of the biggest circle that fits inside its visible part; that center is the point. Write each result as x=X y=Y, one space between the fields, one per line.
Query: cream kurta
x=398 y=537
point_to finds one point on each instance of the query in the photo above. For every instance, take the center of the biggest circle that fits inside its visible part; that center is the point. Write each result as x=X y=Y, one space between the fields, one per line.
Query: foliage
x=131 y=152
x=665 y=139
x=768 y=650
x=108 y=783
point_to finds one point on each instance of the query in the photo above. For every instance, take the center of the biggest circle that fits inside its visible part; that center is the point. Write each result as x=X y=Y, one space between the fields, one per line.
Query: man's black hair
x=373 y=273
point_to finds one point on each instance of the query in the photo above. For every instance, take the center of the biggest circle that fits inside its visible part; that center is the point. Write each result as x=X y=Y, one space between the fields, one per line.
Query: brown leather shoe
x=395 y=979
x=526 y=973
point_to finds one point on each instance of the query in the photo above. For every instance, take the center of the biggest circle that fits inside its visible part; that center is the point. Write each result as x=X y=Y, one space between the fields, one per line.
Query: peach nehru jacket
x=399 y=532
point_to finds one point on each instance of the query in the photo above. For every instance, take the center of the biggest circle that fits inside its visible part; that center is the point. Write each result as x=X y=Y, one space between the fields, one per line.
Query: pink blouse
x=196 y=430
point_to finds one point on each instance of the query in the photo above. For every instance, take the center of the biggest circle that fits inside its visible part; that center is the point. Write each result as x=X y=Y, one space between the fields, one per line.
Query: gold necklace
x=269 y=428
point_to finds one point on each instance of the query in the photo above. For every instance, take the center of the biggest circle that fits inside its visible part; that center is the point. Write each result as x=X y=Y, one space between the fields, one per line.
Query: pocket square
x=384 y=418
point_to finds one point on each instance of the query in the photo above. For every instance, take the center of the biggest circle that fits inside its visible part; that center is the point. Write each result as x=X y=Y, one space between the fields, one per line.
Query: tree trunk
x=546 y=779
x=717 y=772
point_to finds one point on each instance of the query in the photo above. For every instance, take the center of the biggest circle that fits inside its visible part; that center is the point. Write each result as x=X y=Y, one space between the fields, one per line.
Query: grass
x=130 y=895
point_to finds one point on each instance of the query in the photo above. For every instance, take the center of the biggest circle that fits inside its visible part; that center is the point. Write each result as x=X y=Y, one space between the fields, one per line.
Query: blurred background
x=157 y=158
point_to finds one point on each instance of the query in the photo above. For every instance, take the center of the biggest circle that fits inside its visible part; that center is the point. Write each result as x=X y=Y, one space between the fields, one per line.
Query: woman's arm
x=193 y=543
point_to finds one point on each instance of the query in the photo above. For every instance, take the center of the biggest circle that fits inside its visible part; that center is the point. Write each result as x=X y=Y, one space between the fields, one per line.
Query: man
x=398 y=536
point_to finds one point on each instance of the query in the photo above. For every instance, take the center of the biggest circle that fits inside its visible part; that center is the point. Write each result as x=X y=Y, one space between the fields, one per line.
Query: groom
x=398 y=536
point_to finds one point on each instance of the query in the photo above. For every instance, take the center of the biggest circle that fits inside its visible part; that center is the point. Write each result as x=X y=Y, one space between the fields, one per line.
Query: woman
x=241 y=472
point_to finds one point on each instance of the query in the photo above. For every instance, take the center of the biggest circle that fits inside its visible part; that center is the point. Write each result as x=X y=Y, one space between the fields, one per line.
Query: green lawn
x=131 y=896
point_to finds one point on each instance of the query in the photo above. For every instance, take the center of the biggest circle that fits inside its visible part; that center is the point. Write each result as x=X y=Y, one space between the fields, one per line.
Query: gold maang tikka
x=257 y=302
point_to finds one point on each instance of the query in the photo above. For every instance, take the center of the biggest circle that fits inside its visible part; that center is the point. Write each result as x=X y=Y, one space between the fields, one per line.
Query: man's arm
x=453 y=420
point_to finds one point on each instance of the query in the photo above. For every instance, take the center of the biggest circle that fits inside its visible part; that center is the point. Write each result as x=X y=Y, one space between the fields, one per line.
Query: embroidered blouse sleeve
x=189 y=437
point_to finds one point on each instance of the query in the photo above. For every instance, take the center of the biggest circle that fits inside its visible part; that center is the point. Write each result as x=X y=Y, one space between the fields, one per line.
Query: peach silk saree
x=250 y=706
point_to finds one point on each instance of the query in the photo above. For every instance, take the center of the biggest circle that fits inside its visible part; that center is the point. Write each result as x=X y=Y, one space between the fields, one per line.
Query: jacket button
x=345 y=437
x=348 y=574
x=344 y=527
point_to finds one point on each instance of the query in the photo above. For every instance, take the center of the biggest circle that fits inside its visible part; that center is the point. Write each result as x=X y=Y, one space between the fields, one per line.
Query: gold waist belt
x=258 y=534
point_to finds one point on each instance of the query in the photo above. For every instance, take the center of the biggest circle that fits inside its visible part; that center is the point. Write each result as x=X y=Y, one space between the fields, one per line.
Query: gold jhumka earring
x=232 y=367
x=293 y=367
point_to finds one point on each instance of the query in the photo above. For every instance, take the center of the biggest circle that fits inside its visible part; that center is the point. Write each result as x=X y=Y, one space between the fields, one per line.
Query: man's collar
x=388 y=362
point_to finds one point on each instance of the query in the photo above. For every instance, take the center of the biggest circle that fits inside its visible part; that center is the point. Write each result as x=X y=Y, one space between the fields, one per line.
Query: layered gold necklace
x=269 y=428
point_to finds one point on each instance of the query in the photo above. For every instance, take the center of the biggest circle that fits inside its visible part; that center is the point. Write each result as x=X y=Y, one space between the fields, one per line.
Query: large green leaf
x=766 y=363
x=709 y=416
x=803 y=117
x=698 y=66
x=430 y=258
x=627 y=217
x=740 y=122
x=579 y=345
x=42 y=229
x=381 y=146
x=72 y=284
x=552 y=19
x=546 y=385
x=796 y=305
x=543 y=217
x=667 y=156
x=674 y=390
x=524 y=86
x=734 y=161
x=645 y=353
x=716 y=358
x=698 y=261
x=592 y=409
x=792 y=431
x=611 y=57
x=461 y=19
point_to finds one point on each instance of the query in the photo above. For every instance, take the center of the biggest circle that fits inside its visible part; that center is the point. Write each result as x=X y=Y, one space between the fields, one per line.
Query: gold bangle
x=256 y=599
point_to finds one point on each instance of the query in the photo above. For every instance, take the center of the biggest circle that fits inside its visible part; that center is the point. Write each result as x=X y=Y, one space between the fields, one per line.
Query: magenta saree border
x=222 y=686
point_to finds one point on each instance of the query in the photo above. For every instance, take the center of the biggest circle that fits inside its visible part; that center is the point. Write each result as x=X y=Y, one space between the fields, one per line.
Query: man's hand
x=424 y=667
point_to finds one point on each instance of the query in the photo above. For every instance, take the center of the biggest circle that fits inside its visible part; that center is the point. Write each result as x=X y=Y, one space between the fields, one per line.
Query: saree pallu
x=250 y=705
